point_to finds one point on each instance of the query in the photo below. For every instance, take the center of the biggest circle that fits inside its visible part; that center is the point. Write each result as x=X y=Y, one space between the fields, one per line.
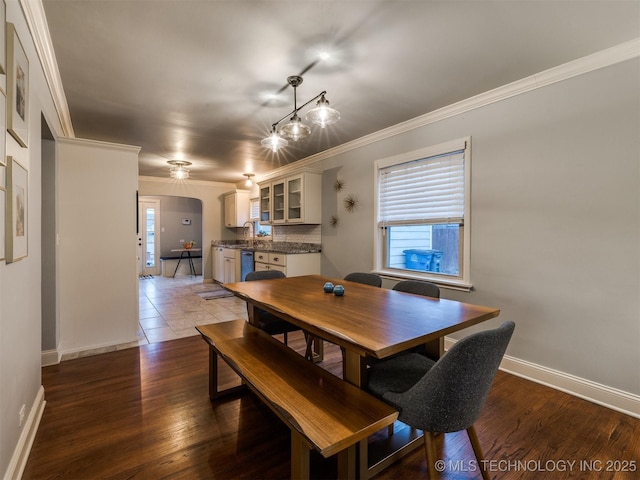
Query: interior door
x=149 y=237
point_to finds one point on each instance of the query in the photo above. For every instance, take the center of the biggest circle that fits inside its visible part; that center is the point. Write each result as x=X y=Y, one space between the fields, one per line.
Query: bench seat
x=323 y=411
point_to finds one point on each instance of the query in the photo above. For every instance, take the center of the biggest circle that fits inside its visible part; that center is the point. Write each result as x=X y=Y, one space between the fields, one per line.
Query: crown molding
x=37 y=22
x=99 y=143
x=188 y=181
x=605 y=58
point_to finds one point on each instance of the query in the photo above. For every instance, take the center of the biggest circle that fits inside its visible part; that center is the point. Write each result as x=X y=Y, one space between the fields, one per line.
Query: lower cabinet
x=217 y=255
x=292 y=265
x=231 y=265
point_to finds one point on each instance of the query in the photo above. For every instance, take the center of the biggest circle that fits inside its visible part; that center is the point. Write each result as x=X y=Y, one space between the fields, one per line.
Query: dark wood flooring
x=144 y=413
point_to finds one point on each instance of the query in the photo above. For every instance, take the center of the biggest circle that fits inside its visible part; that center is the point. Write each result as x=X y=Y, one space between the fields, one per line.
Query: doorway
x=149 y=237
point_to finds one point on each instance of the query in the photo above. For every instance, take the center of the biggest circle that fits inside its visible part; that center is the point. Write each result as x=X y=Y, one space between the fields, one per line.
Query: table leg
x=178 y=265
x=253 y=318
x=352 y=366
x=347 y=463
x=435 y=348
x=192 y=268
x=300 y=457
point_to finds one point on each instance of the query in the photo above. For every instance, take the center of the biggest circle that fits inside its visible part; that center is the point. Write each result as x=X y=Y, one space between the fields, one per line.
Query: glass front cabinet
x=265 y=203
x=296 y=199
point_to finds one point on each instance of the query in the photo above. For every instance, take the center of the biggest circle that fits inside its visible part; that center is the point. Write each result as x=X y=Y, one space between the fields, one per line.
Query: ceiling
x=203 y=81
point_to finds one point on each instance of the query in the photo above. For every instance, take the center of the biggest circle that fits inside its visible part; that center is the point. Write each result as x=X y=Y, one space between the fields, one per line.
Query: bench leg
x=214 y=392
x=213 y=374
x=300 y=457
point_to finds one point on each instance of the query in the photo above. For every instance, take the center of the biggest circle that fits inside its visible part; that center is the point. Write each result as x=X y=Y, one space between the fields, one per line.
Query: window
x=422 y=208
x=261 y=230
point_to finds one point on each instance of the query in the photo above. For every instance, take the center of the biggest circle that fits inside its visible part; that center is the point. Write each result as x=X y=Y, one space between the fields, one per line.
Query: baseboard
x=50 y=357
x=603 y=395
x=89 y=351
x=21 y=453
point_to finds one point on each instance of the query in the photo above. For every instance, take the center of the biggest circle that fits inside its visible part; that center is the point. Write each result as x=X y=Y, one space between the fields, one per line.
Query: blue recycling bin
x=424 y=260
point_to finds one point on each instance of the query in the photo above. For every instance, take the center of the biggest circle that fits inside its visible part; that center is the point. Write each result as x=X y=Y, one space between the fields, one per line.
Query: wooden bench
x=323 y=411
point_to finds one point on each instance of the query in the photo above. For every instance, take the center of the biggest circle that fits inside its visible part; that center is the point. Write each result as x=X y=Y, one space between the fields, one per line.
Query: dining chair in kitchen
x=417 y=287
x=365 y=277
x=446 y=395
x=265 y=320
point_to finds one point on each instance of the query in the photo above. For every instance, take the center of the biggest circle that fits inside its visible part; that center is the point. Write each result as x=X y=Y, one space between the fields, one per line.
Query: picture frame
x=17 y=87
x=3 y=50
x=3 y=201
x=3 y=127
x=16 y=211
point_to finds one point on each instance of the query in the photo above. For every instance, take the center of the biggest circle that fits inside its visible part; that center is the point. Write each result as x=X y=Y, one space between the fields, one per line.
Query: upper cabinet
x=265 y=203
x=236 y=208
x=295 y=199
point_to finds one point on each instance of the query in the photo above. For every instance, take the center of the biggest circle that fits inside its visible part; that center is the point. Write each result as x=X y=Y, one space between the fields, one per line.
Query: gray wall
x=172 y=211
x=555 y=229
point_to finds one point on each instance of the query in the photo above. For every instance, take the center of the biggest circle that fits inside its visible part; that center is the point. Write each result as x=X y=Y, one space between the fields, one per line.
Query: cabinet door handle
x=275 y=259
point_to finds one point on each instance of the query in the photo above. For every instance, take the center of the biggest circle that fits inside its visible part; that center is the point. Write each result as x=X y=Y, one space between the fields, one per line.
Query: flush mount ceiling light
x=248 y=182
x=178 y=169
x=295 y=129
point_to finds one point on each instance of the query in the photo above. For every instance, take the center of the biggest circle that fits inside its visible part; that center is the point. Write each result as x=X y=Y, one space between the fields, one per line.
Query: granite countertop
x=269 y=246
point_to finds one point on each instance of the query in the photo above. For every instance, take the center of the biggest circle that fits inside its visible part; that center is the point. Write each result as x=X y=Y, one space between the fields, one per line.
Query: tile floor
x=170 y=308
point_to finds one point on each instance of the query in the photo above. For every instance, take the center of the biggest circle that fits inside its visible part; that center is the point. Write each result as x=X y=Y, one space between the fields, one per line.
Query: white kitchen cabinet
x=278 y=201
x=292 y=265
x=296 y=199
x=265 y=204
x=217 y=255
x=236 y=208
x=231 y=258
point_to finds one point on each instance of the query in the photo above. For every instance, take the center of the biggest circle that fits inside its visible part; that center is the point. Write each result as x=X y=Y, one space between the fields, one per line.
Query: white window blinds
x=254 y=207
x=430 y=190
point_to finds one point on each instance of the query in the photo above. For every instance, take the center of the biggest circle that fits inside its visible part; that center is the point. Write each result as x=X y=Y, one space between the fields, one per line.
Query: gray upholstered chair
x=447 y=395
x=366 y=278
x=427 y=289
x=266 y=321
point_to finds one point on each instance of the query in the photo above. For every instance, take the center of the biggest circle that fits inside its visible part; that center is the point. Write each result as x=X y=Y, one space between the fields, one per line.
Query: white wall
x=555 y=228
x=20 y=291
x=97 y=250
x=212 y=208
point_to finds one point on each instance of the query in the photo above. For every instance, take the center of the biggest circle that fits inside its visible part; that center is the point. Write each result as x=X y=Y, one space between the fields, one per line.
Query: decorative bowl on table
x=188 y=245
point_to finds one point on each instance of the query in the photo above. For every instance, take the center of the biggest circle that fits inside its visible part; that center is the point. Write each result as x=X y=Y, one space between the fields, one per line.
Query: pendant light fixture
x=178 y=170
x=296 y=129
x=248 y=182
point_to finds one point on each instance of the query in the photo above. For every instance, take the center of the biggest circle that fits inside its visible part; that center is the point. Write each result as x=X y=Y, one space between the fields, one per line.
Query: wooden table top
x=367 y=320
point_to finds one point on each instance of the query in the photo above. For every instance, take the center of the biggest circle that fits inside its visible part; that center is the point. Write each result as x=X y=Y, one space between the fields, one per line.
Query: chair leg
x=308 y=353
x=430 y=449
x=475 y=444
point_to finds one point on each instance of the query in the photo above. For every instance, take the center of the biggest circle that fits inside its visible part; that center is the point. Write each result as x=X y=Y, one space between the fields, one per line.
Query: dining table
x=369 y=324
x=366 y=322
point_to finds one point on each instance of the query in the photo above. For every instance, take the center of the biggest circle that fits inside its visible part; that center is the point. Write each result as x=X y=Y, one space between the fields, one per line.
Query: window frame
x=463 y=280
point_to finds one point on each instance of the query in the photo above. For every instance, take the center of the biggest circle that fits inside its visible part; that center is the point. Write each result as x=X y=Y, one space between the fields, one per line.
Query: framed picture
x=3 y=127
x=3 y=201
x=17 y=87
x=3 y=53
x=16 y=211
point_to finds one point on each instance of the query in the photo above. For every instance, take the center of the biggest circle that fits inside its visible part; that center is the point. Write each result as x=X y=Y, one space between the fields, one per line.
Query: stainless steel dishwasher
x=246 y=264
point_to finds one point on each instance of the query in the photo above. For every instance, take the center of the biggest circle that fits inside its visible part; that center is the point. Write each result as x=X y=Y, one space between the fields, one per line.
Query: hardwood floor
x=144 y=413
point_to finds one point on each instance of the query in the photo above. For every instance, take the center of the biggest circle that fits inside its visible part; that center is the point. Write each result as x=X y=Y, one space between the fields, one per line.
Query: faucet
x=252 y=229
